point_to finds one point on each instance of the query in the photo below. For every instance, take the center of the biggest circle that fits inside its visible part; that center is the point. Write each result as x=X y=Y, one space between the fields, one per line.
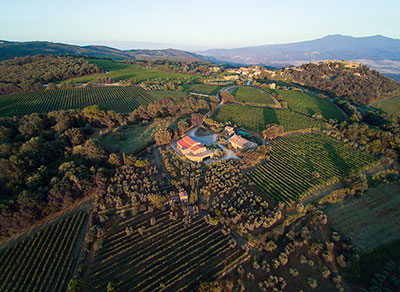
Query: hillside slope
x=349 y=80
x=379 y=52
x=9 y=50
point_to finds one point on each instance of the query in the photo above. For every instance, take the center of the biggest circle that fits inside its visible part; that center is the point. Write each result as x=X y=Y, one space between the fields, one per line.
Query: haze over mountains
x=10 y=50
x=379 y=52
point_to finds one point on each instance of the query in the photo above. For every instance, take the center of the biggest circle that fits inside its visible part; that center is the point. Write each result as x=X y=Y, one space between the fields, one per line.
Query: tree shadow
x=270 y=117
x=309 y=164
x=336 y=159
x=310 y=111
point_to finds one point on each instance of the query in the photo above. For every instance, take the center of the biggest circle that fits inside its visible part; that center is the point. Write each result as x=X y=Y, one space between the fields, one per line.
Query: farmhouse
x=183 y=196
x=229 y=130
x=238 y=142
x=193 y=150
x=187 y=145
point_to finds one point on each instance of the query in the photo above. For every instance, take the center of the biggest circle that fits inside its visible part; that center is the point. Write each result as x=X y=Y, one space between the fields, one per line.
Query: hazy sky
x=194 y=24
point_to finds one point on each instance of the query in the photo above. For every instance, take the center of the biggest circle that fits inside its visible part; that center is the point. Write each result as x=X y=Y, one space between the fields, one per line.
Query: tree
x=5 y=133
x=51 y=85
x=196 y=119
x=94 y=112
x=182 y=126
x=114 y=160
x=163 y=137
x=272 y=132
x=157 y=201
x=270 y=246
x=91 y=150
x=226 y=97
x=74 y=285
x=110 y=287
x=129 y=230
x=193 y=198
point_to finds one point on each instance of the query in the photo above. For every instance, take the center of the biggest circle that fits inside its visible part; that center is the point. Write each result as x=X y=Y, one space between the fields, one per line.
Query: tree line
x=359 y=84
x=31 y=73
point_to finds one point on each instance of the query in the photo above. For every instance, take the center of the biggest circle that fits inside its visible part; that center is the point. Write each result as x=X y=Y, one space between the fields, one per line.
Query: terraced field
x=119 y=99
x=251 y=95
x=43 y=262
x=256 y=118
x=303 y=164
x=310 y=105
x=167 y=257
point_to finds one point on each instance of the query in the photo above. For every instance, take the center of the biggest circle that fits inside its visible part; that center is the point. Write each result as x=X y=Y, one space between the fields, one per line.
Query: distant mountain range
x=10 y=50
x=378 y=52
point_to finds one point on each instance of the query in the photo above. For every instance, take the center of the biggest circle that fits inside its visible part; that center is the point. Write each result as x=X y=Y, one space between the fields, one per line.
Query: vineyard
x=251 y=95
x=159 y=95
x=204 y=89
x=43 y=262
x=303 y=164
x=391 y=105
x=168 y=255
x=371 y=221
x=118 y=71
x=256 y=118
x=310 y=105
x=120 y=99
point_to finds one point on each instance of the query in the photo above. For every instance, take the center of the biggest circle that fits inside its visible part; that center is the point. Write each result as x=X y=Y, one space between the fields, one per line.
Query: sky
x=194 y=24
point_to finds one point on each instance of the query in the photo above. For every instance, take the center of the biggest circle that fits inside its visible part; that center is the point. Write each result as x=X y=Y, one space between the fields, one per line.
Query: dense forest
x=357 y=83
x=50 y=161
x=30 y=73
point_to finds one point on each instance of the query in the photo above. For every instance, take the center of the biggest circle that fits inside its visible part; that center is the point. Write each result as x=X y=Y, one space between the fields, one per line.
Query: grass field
x=256 y=118
x=161 y=94
x=251 y=95
x=391 y=106
x=120 y=99
x=204 y=89
x=373 y=219
x=167 y=257
x=290 y=174
x=310 y=105
x=45 y=261
x=120 y=71
x=133 y=138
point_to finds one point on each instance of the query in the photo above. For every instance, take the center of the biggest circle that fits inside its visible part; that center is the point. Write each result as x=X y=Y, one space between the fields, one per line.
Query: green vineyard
x=167 y=256
x=303 y=164
x=256 y=118
x=119 y=99
x=43 y=262
x=310 y=105
x=252 y=95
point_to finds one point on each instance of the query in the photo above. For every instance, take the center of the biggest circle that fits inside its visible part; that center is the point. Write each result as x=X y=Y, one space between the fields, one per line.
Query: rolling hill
x=379 y=52
x=9 y=50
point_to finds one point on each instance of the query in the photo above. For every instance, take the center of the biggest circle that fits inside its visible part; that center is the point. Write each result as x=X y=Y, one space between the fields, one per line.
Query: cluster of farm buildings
x=198 y=152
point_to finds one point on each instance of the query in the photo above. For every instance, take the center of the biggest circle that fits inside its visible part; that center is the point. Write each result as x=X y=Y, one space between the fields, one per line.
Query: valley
x=191 y=180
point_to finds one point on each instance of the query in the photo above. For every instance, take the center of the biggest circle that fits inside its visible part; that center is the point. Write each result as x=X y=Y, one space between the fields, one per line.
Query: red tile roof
x=196 y=147
x=186 y=142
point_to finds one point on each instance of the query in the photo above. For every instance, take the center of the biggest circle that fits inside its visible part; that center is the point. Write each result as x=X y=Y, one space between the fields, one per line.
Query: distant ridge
x=379 y=52
x=9 y=50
